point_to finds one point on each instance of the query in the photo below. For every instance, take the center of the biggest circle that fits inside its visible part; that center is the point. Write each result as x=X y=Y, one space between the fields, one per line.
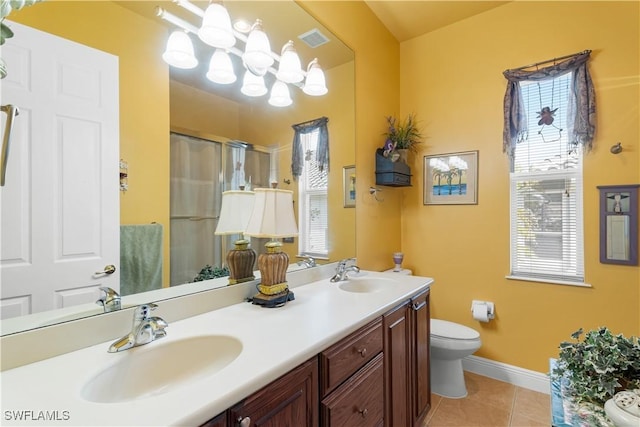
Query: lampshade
x=272 y=214
x=179 y=51
x=253 y=85
x=235 y=212
x=280 y=96
x=221 y=68
x=257 y=51
x=315 y=84
x=216 y=27
x=290 y=70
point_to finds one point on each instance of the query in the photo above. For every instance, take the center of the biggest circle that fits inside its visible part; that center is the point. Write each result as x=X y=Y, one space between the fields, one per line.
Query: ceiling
x=409 y=19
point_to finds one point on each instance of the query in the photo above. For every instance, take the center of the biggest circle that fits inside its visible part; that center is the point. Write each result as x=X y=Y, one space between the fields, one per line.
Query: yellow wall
x=452 y=78
x=377 y=59
x=144 y=96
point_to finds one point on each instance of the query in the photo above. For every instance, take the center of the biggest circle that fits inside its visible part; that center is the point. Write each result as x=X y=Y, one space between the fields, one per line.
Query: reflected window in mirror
x=312 y=196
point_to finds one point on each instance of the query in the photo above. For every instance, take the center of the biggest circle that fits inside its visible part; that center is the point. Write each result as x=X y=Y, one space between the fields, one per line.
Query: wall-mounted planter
x=391 y=174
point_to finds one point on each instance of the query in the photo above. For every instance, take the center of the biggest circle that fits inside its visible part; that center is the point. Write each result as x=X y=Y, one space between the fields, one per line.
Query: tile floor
x=491 y=403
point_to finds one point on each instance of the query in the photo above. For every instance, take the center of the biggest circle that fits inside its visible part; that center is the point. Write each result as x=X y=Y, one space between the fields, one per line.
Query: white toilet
x=450 y=342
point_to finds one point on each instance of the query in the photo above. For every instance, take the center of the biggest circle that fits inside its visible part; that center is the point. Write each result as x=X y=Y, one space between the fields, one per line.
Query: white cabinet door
x=60 y=202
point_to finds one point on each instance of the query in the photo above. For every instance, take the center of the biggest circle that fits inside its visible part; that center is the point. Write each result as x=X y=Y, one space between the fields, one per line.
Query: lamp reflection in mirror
x=221 y=68
x=179 y=51
x=315 y=84
x=257 y=51
x=272 y=217
x=216 y=27
x=234 y=217
x=253 y=85
x=280 y=96
x=257 y=56
x=290 y=70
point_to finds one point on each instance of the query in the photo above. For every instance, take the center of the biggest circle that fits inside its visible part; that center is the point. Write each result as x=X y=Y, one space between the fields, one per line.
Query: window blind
x=546 y=190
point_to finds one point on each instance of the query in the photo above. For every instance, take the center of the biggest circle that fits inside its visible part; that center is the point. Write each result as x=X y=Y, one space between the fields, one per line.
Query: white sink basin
x=157 y=368
x=366 y=284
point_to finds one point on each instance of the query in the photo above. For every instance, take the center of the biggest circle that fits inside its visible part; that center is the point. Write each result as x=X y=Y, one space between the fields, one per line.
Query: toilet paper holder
x=490 y=307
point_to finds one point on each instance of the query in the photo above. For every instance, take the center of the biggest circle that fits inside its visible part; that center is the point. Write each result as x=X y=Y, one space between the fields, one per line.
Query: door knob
x=109 y=269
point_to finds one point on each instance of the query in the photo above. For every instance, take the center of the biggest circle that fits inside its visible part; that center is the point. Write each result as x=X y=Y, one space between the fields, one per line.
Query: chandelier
x=257 y=57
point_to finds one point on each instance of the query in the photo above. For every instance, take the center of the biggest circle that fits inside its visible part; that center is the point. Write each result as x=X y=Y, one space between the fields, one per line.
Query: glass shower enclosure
x=200 y=171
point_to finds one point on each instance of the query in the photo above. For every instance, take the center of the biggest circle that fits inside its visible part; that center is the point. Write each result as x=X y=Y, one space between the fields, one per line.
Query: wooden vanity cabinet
x=352 y=380
x=291 y=400
x=406 y=351
x=377 y=376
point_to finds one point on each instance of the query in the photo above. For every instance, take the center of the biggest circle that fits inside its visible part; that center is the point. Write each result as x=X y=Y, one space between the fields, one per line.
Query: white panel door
x=60 y=202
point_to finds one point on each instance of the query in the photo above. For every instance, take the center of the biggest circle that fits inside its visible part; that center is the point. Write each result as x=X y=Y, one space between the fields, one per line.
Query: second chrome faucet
x=342 y=269
x=145 y=329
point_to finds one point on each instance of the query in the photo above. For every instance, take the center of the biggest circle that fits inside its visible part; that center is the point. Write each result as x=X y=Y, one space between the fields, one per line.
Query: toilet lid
x=446 y=329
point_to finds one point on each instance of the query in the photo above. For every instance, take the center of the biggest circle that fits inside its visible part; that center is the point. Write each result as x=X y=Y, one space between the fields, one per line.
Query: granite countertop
x=274 y=341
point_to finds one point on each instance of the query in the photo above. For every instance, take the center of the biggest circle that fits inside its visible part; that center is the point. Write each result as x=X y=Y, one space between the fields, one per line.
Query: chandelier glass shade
x=221 y=68
x=216 y=28
x=253 y=85
x=280 y=96
x=179 y=51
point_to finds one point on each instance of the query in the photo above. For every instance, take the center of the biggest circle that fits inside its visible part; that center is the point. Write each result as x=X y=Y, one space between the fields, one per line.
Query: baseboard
x=520 y=377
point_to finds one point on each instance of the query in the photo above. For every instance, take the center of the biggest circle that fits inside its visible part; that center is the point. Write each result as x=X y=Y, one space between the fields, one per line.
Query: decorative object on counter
x=236 y=209
x=390 y=173
x=616 y=148
x=257 y=58
x=6 y=6
x=209 y=272
x=349 y=186
x=401 y=137
x=619 y=224
x=272 y=217
x=397 y=261
x=451 y=179
x=592 y=371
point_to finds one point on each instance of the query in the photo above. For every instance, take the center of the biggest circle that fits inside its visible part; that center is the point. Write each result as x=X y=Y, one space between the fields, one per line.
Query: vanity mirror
x=155 y=100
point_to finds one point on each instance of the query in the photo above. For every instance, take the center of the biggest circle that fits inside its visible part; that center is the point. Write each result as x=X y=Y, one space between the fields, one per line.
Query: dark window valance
x=581 y=118
x=322 y=152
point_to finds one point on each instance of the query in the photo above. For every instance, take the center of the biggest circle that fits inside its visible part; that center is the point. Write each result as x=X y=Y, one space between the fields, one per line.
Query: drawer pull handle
x=363 y=412
x=244 y=422
x=363 y=352
x=417 y=306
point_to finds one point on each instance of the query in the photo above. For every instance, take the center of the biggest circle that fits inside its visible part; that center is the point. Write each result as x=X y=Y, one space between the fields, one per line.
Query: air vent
x=314 y=38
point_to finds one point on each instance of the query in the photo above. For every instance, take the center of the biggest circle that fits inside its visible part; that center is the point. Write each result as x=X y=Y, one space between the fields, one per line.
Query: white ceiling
x=409 y=19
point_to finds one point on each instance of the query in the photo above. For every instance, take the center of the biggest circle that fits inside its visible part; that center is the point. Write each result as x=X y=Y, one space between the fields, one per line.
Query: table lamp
x=236 y=209
x=272 y=217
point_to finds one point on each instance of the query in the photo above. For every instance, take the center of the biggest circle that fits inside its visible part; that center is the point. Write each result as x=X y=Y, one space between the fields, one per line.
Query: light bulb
x=216 y=27
x=280 y=96
x=290 y=70
x=315 y=83
x=221 y=68
x=257 y=52
x=253 y=85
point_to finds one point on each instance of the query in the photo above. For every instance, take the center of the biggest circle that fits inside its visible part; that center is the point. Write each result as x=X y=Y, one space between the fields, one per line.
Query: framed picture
x=349 y=186
x=619 y=224
x=451 y=179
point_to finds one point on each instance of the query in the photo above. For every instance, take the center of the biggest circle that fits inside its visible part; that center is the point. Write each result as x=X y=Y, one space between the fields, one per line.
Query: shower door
x=196 y=193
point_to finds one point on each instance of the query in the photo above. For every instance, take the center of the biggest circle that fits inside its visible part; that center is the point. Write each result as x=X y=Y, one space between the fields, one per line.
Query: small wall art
x=349 y=186
x=451 y=179
x=619 y=224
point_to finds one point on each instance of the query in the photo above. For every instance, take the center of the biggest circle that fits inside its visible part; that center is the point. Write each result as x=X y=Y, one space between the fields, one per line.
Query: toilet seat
x=452 y=331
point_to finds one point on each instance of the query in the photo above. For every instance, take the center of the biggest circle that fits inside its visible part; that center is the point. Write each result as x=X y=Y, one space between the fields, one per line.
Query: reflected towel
x=140 y=258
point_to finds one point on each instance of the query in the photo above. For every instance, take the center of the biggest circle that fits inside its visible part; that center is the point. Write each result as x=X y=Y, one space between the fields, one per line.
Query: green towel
x=140 y=258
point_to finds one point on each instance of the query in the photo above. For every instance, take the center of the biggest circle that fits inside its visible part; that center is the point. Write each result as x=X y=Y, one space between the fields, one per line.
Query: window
x=312 y=205
x=546 y=189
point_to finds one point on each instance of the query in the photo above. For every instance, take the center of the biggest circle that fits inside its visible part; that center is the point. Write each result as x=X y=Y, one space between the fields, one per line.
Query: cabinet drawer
x=341 y=360
x=359 y=402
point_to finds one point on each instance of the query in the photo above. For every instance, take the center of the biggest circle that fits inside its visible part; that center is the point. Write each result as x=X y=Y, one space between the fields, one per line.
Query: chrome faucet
x=307 y=262
x=342 y=269
x=145 y=329
x=110 y=300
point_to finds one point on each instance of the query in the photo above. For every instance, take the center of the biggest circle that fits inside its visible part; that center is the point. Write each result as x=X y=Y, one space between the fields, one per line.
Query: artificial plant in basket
x=599 y=366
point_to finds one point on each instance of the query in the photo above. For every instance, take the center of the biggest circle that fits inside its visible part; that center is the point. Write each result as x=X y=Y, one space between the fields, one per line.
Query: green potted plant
x=594 y=369
x=6 y=6
x=401 y=137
